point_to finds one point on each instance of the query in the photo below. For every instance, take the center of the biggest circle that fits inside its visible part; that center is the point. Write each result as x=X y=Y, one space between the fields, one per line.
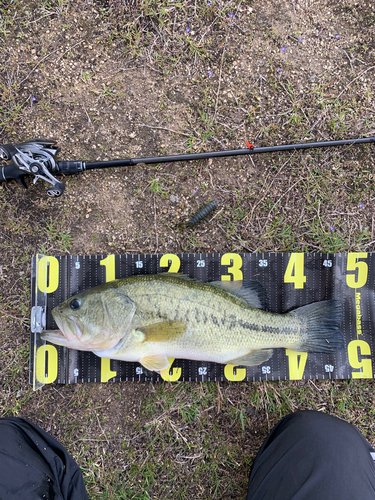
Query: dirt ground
x=138 y=78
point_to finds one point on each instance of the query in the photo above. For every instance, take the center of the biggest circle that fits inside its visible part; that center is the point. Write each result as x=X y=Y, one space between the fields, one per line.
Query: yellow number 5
x=353 y=280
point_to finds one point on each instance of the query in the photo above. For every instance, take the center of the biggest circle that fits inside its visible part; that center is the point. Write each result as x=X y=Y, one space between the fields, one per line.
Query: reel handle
x=56 y=190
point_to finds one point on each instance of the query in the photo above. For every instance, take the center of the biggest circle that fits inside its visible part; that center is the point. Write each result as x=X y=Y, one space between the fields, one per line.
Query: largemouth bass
x=149 y=318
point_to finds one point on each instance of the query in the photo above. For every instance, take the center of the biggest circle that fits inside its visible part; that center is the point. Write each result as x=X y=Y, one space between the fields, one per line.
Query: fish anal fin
x=165 y=331
x=155 y=363
x=252 y=358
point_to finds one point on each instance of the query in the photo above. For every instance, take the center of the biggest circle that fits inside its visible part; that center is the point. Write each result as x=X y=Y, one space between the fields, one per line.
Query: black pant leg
x=310 y=455
x=34 y=465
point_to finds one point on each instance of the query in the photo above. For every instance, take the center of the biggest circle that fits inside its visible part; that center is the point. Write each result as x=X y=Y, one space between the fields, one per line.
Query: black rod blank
x=231 y=152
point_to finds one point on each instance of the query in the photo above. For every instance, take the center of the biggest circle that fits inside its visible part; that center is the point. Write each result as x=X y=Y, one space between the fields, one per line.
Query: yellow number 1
x=110 y=274
x=109 y=264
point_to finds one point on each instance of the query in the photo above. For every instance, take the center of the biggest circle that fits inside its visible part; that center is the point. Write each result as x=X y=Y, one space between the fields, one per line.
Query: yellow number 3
x=234 y=261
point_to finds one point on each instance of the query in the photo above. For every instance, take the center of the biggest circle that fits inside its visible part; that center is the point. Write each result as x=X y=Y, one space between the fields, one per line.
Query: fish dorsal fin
x=165 y=331
x=251 y=292
x=252 y=358
x=177 y=275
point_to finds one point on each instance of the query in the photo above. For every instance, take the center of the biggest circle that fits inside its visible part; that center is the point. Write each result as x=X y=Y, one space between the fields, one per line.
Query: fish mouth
x=54 y=336
x=70 y=327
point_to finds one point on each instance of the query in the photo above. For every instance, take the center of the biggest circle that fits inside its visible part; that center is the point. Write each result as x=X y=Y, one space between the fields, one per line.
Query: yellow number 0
x=46 y=373
x=48 y=274
x=234 y=374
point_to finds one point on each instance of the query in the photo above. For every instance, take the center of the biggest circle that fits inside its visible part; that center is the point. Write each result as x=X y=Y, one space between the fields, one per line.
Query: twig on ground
x=221 y=68
x=34 y=68
x=164 y=128
x=222 y=208
x=269 y=187
x=282 y=196
x=363 y=72
x=70 y=48
x=89 y=119
x=350 y=61
x=101 y=428
x=156 y=229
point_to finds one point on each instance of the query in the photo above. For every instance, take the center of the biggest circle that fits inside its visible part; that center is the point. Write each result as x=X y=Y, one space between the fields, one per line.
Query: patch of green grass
x=59 y=238
x=86 y=76
x=158 y=186
x=57 y=7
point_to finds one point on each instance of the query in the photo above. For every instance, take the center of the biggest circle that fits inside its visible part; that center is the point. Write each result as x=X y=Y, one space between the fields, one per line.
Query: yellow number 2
x=173 y=260
x=171 y=375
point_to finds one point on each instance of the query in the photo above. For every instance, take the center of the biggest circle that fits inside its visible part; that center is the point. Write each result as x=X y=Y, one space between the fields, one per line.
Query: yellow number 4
x=295 y=270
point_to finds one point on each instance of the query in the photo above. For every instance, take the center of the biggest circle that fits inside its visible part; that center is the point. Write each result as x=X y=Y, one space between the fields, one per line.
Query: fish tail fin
x=320 y=326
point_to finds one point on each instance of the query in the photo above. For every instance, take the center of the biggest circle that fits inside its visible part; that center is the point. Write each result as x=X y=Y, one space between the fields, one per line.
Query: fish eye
x=75 y=304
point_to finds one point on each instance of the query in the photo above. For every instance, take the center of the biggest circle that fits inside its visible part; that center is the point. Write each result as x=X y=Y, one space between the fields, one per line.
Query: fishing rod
x=36 y=157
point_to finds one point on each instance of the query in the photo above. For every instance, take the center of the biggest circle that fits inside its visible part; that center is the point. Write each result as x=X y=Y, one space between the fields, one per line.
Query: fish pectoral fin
x=252 y=358
x=155 y=363
x=164 y=331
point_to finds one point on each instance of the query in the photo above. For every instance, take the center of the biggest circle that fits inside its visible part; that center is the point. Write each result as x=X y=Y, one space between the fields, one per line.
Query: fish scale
x=205 y=313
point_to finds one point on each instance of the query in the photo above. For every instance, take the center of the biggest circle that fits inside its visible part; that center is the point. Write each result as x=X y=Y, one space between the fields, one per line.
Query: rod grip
x=70 y=167
x=12 y=172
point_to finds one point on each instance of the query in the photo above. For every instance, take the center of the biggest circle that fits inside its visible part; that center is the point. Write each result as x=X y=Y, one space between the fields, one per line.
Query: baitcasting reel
x=36 y=157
